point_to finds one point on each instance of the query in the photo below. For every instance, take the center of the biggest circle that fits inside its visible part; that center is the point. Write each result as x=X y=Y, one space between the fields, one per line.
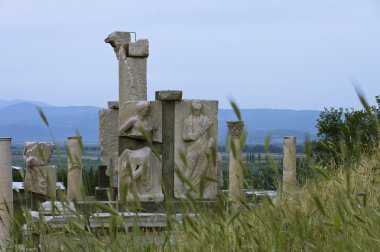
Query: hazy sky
x=298 y=54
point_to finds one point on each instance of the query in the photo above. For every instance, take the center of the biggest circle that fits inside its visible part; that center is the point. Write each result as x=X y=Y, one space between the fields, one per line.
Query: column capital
x=119 y=42
x=235 y=128
x=123 y=47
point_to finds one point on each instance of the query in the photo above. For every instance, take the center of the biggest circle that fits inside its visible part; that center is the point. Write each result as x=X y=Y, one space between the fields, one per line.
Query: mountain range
x=20 y=120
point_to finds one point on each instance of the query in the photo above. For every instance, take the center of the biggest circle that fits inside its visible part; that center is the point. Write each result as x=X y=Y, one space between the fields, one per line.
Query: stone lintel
x=113 y=105
x=235 y=128
x=169 y=95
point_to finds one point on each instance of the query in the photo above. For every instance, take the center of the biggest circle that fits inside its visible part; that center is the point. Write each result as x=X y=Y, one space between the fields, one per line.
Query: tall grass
x=335 y=210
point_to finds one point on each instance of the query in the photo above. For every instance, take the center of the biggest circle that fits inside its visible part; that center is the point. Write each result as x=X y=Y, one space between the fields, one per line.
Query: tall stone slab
x=74 y=166
x=236 y=176
x=6 y=192
x=109 y=139
x=132 y=57
x=195 y=153
x=289 y=180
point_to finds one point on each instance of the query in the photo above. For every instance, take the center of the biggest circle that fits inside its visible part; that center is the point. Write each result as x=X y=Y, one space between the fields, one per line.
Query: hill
x=21 y=121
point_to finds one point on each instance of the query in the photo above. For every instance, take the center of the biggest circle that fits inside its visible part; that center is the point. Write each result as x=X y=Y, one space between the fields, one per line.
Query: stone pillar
x=289 y=181
x=168 y=99
x=132 y=59
x=74 y=166
x=6 y=190
x=236 y=176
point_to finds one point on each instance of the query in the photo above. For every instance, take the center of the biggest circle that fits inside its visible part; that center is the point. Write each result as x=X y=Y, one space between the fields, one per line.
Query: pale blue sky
x=297 y=54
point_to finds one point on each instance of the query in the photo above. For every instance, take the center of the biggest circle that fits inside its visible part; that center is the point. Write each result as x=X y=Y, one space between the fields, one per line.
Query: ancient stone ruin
x=156 y=149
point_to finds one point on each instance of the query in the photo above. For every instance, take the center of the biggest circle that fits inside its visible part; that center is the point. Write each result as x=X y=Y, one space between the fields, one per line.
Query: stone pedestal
x=289 y=180
x=236 y=176
x=6 y=192
x=74 y=166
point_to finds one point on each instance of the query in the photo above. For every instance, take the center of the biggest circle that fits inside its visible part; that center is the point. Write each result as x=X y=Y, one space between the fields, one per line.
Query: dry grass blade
x=236 y=109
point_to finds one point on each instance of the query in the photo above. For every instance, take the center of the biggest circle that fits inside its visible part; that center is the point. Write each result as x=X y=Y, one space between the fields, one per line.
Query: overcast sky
x=297 y=54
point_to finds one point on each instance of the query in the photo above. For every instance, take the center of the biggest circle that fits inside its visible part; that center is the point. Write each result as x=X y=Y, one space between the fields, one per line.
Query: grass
x=333 y=210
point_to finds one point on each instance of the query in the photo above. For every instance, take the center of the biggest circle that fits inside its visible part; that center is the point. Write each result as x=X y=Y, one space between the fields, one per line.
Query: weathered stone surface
x=289 y=181
x=119 y=41
x=41 y=179
x=74 y=166
x=113 y=105
x=132 y=80
x=236 y=176
x=135 y=117
x=132 y=70
x=196 y=132
x=140 y=171
x=6 y=193
x=169 y=95
x=37 y=153
x=109 y=141
x=138 y=49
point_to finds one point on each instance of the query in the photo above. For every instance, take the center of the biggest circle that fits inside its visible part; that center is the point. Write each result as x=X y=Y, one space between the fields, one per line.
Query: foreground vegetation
x=332 y=210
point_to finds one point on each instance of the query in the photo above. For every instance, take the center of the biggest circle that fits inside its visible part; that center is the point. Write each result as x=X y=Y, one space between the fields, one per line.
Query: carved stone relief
x=140 y=174
x=40 y=177
x=140 y=119
x=196 y=142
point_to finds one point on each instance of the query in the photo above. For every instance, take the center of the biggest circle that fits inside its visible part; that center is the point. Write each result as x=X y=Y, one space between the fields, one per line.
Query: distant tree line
x=345 y=134
x=260 y=148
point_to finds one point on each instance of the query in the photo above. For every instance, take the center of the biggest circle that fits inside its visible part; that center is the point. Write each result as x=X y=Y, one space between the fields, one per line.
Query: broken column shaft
x=74 y=167
x=289 y=181
x=132 y=57
x=236 y=176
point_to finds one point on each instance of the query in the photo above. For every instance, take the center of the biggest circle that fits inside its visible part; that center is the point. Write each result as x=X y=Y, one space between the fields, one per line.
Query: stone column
x=132 y=59
x=6 y=190
x=74 y=165
x=236 y=177
x=289 y=181
x=168 y=98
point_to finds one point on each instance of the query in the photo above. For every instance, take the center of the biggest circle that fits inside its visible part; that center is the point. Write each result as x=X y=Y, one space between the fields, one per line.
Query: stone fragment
x=6 y=192
x=236 y=176
x=74 y=166
x=113 y=105
x=169 y=95
x=140 y=172
x=196 y=134
x=289 y=181
x=41 y=180
x=138 y=49
x=37 y=153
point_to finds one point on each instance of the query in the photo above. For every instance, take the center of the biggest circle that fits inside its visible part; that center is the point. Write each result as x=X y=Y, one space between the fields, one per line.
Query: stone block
x=169 y=95
x=113 y=105
x=139 y=49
